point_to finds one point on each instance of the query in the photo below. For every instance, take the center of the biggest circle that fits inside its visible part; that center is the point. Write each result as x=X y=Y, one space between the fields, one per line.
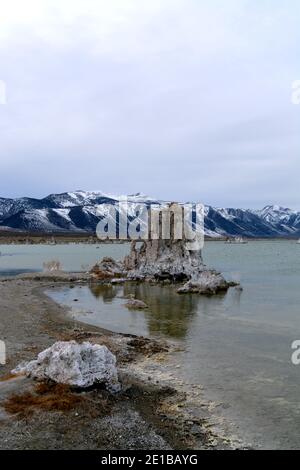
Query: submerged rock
x=79 y=365
x=135 y=304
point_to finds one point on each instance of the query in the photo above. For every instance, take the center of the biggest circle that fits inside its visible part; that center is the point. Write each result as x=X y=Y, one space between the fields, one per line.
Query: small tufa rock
x=207 y=282
x=108 y=268
x=74 y=364
x=118 y=280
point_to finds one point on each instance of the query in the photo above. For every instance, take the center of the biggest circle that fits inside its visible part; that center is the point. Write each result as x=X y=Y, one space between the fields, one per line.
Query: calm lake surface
x=237 y=345
x=16 y=259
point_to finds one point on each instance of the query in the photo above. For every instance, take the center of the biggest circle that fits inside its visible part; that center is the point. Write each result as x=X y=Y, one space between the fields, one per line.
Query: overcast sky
x=179 y=99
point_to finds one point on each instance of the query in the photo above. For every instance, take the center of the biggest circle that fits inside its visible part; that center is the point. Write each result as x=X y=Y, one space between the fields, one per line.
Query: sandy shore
x=154 y=410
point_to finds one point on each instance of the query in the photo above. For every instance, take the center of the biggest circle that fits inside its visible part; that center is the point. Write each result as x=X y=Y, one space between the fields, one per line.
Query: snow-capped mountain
x=282 y=218
x=80 y=211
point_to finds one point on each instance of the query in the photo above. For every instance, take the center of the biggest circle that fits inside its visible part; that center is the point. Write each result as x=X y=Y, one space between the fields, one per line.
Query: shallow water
x=237 y=345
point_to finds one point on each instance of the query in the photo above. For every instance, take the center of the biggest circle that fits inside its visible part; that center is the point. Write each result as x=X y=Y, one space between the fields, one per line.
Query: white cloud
x=121 y=93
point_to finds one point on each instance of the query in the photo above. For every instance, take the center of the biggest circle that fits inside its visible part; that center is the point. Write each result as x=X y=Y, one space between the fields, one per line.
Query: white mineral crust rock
x=205 y=282
x=71 y=363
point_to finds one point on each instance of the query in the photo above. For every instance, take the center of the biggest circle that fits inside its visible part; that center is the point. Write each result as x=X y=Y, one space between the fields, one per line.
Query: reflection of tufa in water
x=167 y=313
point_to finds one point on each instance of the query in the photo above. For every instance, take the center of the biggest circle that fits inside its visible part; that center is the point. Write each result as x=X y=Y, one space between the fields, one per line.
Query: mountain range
x=80 y=211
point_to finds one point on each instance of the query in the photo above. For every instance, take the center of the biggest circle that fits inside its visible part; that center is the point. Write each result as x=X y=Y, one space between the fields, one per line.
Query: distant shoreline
x=62 y=238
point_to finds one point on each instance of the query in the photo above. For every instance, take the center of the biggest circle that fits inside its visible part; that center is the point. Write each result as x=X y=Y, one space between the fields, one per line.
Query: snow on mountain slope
x=35 y=220
x=282 y=218
x=78 y=198
x=5 y=206
x=275 y=214
x=80 y=211
x=236 y=222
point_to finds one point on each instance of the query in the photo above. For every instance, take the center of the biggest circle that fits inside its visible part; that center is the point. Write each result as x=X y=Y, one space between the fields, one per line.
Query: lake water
x=15 y=259
x=237 y=345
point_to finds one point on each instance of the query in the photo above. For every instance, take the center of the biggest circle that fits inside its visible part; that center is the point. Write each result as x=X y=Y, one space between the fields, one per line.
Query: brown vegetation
x=47 y=397
x=146 y=346
x=8 y=376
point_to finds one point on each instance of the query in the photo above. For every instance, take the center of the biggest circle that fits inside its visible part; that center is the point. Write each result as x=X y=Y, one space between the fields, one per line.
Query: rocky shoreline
x=155 y=410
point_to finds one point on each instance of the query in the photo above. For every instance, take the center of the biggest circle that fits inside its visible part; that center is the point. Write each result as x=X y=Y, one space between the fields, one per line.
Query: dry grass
x=47 y=397
x=146 y=346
